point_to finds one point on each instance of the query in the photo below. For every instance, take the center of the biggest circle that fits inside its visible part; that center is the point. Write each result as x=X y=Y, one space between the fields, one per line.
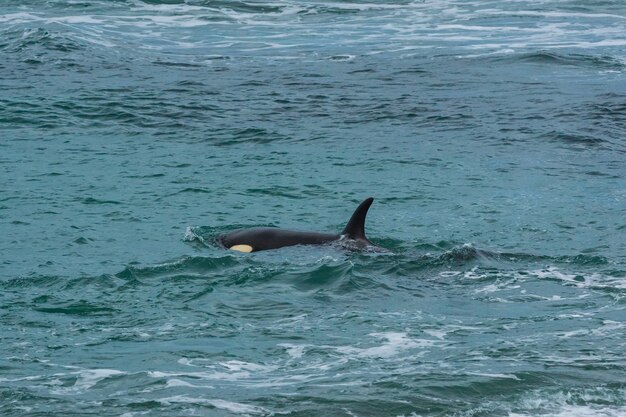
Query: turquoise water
x=491 y=135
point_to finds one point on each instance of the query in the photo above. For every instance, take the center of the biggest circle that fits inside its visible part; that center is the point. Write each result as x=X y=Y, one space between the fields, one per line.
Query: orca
x=265 y=238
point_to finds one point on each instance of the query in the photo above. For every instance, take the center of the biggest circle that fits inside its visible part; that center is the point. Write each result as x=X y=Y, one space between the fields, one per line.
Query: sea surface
x=492 y=135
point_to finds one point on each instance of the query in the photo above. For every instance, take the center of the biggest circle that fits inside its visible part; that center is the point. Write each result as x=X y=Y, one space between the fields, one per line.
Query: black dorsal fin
x=355 y=229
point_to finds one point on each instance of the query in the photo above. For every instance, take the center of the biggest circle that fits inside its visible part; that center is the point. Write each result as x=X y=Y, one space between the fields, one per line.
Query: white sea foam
x=86 y=379
x=187 y=361
x=25 y=378
x=216 y=376
x=583 y=402
x=135 y=413
x=443 y=332
x=230 y=406
x=489 y=375
x=439 y=334
x=294 y=351
x=166 y=8
x=191 y=235
x=607 y=329
x=395 y=27
x=222 y=371
x=585 y=280
x=560 y=406
x=238 y=366
x=395 y=343
x=491 y=288
x=175 y=382
x=578 y=411
x=516 y=279
x=449 y=274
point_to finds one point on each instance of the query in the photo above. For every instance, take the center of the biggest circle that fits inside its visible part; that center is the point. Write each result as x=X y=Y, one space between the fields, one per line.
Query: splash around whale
x=265 y=238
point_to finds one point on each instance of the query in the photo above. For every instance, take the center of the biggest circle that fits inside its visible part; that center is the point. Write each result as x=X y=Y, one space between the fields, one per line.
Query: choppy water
x=492 y=135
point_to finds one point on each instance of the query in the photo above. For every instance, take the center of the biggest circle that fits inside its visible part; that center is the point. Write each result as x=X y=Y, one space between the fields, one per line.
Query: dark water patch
x=82 y=240
x=601 y=174
x=95 y=201
x=193 y=190
x=254 y=83
x=362 y=71
x=190 y=83
x=575 y=139
x=411 y=71
x=341 y=58
x=286 y=192
x=564 y=59
x=177 y=64
x=218 y=58
x=181 y=165
x=19 y=222
x=81 y=308
x=244 y=135
x=449 y=117
x=159 y=175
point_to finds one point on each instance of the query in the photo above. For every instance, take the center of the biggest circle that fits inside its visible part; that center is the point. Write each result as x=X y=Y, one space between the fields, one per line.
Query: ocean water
x=492 y=135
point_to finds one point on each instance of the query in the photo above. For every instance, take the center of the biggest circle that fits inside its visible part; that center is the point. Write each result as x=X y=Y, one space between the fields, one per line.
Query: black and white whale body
x=264 y=238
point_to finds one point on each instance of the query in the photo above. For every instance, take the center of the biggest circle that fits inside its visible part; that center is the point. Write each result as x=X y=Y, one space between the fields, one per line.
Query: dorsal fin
x=355 y=229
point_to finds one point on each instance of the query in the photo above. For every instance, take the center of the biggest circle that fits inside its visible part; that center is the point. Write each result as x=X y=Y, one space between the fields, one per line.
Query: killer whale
x=265 y=238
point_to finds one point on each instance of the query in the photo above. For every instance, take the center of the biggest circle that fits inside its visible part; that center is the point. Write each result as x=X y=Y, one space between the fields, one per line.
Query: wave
x=407 y=27
x=545 y=57
x=605 y=400
x=81 y=308
x=451 y=327
x=39 y=40
x=574 y=139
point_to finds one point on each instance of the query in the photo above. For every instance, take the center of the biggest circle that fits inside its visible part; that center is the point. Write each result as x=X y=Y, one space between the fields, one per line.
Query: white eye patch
x=242 y=248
